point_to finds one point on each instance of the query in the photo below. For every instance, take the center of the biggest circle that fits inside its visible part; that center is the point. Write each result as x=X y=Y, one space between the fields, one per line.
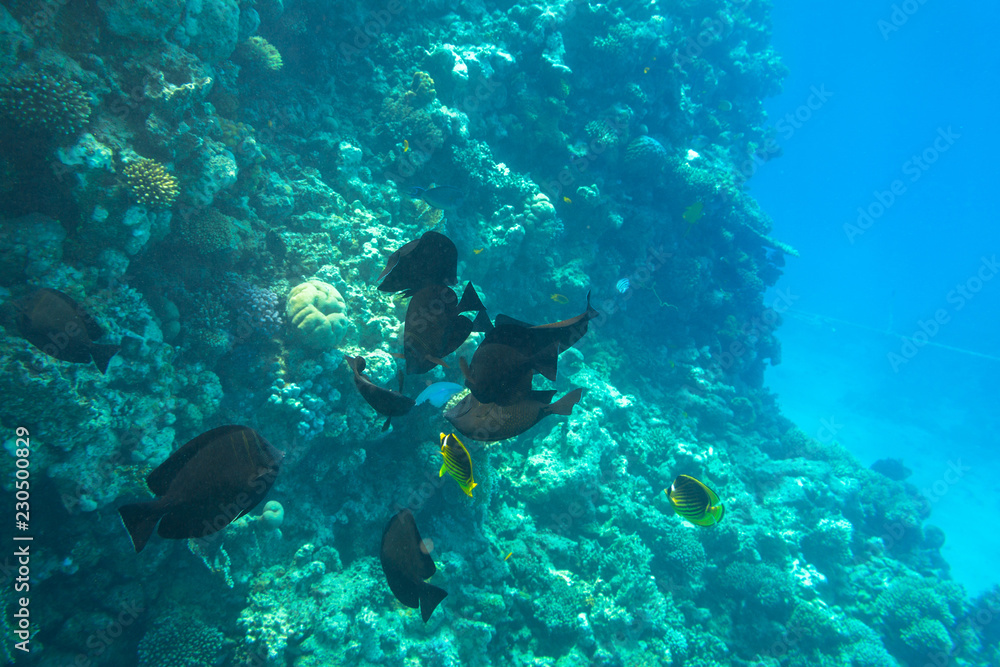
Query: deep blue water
x=892 y=94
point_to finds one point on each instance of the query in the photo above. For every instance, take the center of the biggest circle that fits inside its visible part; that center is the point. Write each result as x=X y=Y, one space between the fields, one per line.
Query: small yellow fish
x=695 y=502
x=508 y=556
x=559 y=298
x=457 y=462
x=478 y=250
x=693 y=213
x=645 y=70
x=406 y=145
x=567 y=200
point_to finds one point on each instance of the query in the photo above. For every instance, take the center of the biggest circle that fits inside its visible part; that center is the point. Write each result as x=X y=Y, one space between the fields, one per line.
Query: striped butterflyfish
x=457 y=462
x=695 y=502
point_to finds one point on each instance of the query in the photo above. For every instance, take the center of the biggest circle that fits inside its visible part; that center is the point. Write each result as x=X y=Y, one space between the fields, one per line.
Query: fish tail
x=470 y=300
x=140 y=521
x=564 y=406
x=430 y=598
x=482 y=322
x=101 y=354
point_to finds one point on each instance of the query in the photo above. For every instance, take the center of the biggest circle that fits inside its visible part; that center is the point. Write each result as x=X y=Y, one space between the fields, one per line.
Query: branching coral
x=260 y=54
x=44 y=104
x=151 y=183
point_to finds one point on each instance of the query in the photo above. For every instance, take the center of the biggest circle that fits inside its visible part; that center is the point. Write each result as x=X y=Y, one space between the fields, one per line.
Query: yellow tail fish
x=457 y=462
x=695 y=502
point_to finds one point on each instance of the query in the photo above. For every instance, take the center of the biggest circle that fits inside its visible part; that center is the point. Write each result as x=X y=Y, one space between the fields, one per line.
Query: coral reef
x=260 y=54
x=150 y=183
x=316 y=311
x=44 y=104
x=593 y=142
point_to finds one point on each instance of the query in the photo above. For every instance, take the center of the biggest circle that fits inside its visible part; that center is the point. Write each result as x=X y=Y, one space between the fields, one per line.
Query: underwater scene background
x=199 y=199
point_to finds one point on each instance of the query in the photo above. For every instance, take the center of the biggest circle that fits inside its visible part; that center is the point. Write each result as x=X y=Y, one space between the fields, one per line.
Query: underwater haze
x=620 y=334
x=924 y=266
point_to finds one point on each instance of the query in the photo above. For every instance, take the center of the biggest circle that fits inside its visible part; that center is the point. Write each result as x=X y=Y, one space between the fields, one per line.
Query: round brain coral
x=316 y=311
x=44 y=104
x=151 y=184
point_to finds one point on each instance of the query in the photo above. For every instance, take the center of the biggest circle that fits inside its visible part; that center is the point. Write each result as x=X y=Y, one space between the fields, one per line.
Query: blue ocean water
x=911 y=102
x=267 y=210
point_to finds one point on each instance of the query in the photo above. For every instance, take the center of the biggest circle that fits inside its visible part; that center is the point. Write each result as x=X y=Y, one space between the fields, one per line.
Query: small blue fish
x=438 y=393
x=623 y=285
x=444 y=197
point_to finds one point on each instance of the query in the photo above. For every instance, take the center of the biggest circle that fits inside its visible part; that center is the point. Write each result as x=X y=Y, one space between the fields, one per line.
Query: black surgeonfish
x=433 y=328
x=444 y=197
x=385 y=401
x=695 y=502
x=407 y=564
x=499 y=373
x=489 y=422
x=542 y=343
x=563 y=335
x=55 y=324
x=430 y=260
x=204 y=486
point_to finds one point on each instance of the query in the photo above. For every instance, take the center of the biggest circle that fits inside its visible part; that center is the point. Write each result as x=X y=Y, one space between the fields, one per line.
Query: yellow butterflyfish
x=695 y=502
x=457 y=462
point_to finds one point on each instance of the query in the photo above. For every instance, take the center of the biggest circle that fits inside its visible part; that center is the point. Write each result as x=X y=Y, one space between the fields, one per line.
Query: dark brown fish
x=385 y=401
x=498 y=374
x=430 y=260
x=407 y=564
x=433 y=328
x=55 y=324
x=489 y=422
x=204 y=486
x=543 y=342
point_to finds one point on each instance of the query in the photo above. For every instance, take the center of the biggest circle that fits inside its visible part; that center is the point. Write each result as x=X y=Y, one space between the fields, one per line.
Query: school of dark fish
x=224 y=473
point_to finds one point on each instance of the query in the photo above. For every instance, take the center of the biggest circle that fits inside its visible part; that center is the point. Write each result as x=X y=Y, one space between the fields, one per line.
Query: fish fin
x=94 y=330
x=401 y=376
x=564 y=406
x=460 y=330
x=470 y=300
x=101 y=354
x=430 y=597
x=542 y=395
x=545 y=361
x=508 y=320
x=385 y=426
x=140 y=521
x=437 y=361
x=468 y=490
x=482 y=322
x=718 y=512
x=464 y=365
x=591 y=311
